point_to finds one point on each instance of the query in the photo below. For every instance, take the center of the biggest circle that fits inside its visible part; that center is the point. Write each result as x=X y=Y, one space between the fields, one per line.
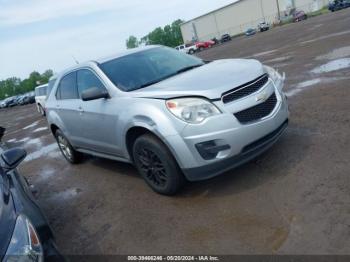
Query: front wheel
x=191 y=51
x=69 y=153
x=157 y=166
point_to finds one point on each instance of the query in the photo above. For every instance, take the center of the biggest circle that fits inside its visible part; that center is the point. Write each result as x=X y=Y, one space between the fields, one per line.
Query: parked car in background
x=299 y=16
x=338 y=5
x=12 y=101
x=263 y=26
x=250 y=31
x=40 y=98
x=215 y=40
x=225 y=38
x=205 y=44
x=187 y=48
x=25 y=234
x=174 y=116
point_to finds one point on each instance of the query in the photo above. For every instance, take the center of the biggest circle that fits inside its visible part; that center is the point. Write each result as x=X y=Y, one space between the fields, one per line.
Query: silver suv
x=174 y=116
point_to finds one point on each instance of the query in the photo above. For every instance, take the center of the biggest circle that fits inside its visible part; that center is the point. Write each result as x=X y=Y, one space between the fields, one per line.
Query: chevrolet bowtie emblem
x=262 y=97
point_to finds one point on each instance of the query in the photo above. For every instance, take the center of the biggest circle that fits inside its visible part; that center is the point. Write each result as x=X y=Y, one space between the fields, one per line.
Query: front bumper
x=249 y=152
x=240 y=142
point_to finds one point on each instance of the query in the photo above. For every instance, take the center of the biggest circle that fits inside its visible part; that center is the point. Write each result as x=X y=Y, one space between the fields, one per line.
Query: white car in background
x=187 y=48
x=40 y=98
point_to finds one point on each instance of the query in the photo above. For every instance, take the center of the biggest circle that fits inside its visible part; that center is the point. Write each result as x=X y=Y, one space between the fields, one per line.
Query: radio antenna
x=75 y=60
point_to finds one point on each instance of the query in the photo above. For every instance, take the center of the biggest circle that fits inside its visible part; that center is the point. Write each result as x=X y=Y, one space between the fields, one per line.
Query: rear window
x=41 y=91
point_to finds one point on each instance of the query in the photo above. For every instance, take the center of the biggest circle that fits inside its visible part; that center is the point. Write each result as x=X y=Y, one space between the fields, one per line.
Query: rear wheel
x=69 y=153
x=156 y=165
x=191 y=51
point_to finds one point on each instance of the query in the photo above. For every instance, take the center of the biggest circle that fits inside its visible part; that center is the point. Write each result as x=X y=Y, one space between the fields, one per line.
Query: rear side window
x=87 y=79
x=50 y=86
x=67 y=88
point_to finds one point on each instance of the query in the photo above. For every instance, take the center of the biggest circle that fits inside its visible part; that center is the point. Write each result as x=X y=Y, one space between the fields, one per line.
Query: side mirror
x=94 y=93
x=12 y=158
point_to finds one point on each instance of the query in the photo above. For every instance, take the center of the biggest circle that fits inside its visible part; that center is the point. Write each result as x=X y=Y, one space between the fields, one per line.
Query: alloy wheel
x=152 y=167
x=64 y=146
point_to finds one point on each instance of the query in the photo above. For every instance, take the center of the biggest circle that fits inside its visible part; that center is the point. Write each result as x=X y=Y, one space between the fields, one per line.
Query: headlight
x=275 y=76
x=25 y=244
x=192 y=110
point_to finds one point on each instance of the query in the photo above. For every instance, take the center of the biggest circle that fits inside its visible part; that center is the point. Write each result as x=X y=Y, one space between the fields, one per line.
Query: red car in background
x=205 y=44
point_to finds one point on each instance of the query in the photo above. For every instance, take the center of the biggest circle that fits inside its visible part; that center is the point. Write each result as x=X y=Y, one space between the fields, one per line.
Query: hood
x=209 y=80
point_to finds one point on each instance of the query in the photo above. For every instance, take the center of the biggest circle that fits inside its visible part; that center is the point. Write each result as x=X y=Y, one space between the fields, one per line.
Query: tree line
x=15 y=86
x=169 y=35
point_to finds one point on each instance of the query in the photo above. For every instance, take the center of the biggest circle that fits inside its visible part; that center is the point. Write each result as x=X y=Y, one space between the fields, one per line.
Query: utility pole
x=262 y=10
x=278 y=11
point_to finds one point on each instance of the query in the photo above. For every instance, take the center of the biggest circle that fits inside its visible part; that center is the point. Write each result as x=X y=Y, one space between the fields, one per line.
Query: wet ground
x=294 y=199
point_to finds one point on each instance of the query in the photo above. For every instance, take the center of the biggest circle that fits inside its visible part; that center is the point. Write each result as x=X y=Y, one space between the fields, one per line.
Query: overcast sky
x=42 y=34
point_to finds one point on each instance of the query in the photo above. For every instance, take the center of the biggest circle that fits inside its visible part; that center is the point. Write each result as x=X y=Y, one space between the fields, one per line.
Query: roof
x=102 y=60
x=213 y=11
x=124 y=53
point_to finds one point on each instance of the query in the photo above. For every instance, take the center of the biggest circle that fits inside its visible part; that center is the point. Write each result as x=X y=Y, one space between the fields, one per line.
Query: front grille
x=245 y=90
x=257 y=112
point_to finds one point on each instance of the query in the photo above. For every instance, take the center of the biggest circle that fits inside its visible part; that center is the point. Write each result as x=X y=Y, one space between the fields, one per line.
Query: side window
x=67 y=88
x=87 y=79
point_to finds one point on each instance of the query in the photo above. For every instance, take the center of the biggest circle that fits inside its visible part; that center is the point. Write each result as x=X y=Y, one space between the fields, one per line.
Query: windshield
x=148 y=67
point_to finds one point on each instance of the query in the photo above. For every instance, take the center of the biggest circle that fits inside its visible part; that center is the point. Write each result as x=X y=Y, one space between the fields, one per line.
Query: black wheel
x=41 y=110
x=157 y=166
x=191 y=51
x=201 y=48
x=69 y=153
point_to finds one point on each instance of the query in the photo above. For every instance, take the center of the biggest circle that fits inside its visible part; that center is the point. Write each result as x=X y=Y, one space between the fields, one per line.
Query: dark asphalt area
x=293 y=199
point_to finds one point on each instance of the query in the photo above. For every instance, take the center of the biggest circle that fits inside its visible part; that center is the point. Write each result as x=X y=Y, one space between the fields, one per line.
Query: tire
x=157 y=166
x=191 y=52
x=201 y=48
x=69 y=153
x=41 y=110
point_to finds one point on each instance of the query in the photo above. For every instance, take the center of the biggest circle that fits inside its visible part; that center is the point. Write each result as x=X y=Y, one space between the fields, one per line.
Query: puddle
x=23 y=140
x=65 y=195
x=47 y=173
x=303 y=131
x=336 y=53
x=45 y=150
x=31 y=125
x=34 y=141
x=325 y=37
x=310 y=83
x=332 y=66
x=265 y=53
x=40 y=129
x=279 y=59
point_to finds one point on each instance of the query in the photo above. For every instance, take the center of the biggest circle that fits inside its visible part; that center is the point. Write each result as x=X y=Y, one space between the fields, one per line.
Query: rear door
x=99 y=117
x=67 y=107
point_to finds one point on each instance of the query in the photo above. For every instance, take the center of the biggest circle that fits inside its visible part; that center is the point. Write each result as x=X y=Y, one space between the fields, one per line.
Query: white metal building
x=235 y=18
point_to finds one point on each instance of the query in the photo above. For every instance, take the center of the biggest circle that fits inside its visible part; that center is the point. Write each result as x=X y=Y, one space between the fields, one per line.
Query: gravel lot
x=294 y=199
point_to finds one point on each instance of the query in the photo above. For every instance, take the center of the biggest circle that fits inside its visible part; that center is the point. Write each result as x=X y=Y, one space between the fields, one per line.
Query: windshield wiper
x=187 y=68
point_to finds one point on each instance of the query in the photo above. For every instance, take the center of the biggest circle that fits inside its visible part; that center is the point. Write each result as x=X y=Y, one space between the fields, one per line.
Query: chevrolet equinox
x=174 y=116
